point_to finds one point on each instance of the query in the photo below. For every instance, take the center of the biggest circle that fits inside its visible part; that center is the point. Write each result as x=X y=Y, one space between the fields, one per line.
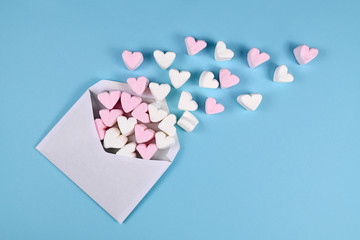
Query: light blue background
x=287 y=171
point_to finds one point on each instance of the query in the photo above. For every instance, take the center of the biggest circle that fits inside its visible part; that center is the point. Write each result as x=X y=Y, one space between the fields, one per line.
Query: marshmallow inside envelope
x=115 y=182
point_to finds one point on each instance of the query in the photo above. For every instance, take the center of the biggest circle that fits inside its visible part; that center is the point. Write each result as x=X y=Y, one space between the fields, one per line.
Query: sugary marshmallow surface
x=163 y=141
x=178 y=78
x=128 y=150
x=126 y=125
x=113 y=138
x=250 y=101
x=305 y=54
x=281 y=74
x=255 y=58
x=167 y=125
x=193 y=46
x=188 y=121
x=159 y=92
x=207 y=80
x=186 y=102
x=222 y=53
x=156 y=113
x=164 y=59
x=132 y=60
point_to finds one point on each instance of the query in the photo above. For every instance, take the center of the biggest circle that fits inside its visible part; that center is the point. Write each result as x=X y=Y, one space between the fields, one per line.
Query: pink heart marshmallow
x=138 y=85
x=128 y=102
x=146 y=152
x=255 y=58
x=132 y=60
x=304 y=54
x=109 y=117
x=109 y=99
x=211 y=107
x=227 y=79
x=140 y=113
x=193 y=46
x=143 y=134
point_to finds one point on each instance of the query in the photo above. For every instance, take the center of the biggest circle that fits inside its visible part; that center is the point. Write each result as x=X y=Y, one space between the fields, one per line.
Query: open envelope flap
x=116 y=183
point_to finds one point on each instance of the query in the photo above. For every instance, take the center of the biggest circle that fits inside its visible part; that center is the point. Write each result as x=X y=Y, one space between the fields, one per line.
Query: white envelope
x=115 y=182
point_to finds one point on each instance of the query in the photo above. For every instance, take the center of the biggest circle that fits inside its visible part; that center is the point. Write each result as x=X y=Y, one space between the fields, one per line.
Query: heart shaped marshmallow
x=281 y=74
x=186 y=103
x=222 y=53
x=128 y=150
x=163 y=141
x=207 y=80
x=164 y=59
x=255 y=58
x=159 y=92
x=188 y=121
x=132 y=60
x=250 y=101
x=138 y=85
x=113 y=138
x=126 y=125
x=100 y=128
x=193 y=46
x=156 y=113
x=143 y=134
x=109 y=116
x=167 y=125
x=304 y=54
x=211 y=107
x=140 y=113
x=227 y=79
x=128 y=102
x=109 y=99
x=178 y=78
x=146 y=152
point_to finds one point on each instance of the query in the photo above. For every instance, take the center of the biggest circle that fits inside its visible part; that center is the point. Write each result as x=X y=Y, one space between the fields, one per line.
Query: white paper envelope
x=115 y=182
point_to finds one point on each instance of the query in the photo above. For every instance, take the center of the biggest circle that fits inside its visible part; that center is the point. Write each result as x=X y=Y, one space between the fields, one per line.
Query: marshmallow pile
x=123 y=123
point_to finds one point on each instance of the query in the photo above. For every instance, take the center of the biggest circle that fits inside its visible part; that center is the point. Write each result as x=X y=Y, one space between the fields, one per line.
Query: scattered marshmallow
x=164 y=59
x=100 y=128
x=159 y=92
x=156 y=113
x=132 y=60
x=255 y=58
x=163 y=141
x=188 y=121
x=128 y=150
x=126 y=125
x=109 y=116
x=211 y=107
x=227 y=79
x=167 y=125
x=146 y=152
x=113 y=138
x=207 y=80
x=305 y=54
x=186 y=103
x=250 y=101
x=143 y=134
x=178 y=78
x=138 y=85
x=222 y=53
x=281 y=74
x=140 y=113
x=109 y=99
x=128 y=102
x=193 y=46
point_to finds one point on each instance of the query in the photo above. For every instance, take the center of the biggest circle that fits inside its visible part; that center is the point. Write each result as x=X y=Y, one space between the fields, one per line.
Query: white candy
x=188 y=121
x=167 y=125
x=186 y=103
x=178 y=78
x=250 y=101
x=113 y=139
x=164 y=59
x=281 y=74
x=207 y=80
x=128 y=150
x=156 y=113
x=163 y=141
x=126 y=125
x=159 y=91
x=222 y=53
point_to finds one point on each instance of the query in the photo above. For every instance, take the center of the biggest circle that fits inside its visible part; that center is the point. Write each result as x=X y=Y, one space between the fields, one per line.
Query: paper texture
x=115 y=182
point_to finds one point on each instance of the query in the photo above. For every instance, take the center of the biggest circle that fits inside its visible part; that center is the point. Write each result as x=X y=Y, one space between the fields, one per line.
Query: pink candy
x=132 y=60
x=211 y=107
x=109 y=99
x=304 y=54
x=193 y=46
x=138 y=85
x=255 y=58
x=129 y=102
x=227 y=79
x=100 y=128
x=143 y=134
x=109 y=116
x=148 y=151
x=140 y=113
